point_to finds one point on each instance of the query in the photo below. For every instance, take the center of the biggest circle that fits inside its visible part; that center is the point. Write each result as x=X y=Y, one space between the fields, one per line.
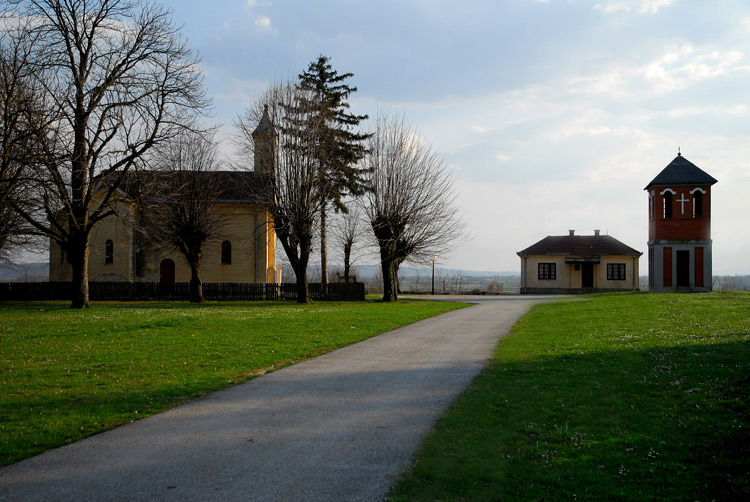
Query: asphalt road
x=338 y=427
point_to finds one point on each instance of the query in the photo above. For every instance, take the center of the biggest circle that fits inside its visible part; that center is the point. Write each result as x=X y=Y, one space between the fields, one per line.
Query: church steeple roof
x=682 y=172
x=265 y=126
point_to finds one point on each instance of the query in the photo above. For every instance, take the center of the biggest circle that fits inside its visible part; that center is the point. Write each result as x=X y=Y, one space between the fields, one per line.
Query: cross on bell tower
x=679 y=242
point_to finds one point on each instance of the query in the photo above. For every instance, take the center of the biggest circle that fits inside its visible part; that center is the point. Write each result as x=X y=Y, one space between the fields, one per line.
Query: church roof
x=236 y=186
x=579 y=245
x=681 y=172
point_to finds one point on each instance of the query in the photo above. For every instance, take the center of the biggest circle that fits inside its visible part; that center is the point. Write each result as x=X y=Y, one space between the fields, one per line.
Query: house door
x=587 y=275
x=683 y=269
x=166 y=272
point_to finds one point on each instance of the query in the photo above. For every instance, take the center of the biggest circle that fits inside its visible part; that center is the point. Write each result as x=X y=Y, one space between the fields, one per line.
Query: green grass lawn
x=66 y=374
x=615 y=397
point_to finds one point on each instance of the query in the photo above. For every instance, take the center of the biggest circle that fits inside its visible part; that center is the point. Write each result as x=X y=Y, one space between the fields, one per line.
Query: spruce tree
x=339 y=146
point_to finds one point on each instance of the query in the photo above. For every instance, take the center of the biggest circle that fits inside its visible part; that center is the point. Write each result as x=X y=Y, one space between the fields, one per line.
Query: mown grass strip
x=616 y=397
x=66 y=374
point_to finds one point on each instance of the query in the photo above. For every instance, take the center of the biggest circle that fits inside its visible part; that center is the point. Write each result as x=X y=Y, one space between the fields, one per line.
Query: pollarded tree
x=180 y=196
x=119 y=79
x=338 y=145
x=411 y=203
x=279 y=139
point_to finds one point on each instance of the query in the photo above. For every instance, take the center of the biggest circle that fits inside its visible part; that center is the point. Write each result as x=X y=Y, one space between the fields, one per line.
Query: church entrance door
x=587 y=275
x=166 y=272
x=683 y=269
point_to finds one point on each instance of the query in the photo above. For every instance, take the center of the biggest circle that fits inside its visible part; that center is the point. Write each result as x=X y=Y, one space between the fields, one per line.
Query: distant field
x=615 y=397
x=66 y=374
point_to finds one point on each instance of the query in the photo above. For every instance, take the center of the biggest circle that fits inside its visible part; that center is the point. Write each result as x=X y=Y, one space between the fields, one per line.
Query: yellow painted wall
x=567 y=277
x=247 y=228
x=117 y=229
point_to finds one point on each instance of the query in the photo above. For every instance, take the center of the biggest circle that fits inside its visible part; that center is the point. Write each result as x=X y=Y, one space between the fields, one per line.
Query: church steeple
x=265 y=143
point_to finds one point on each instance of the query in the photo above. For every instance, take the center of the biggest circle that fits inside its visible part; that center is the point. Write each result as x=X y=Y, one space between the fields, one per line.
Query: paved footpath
x=338 y=427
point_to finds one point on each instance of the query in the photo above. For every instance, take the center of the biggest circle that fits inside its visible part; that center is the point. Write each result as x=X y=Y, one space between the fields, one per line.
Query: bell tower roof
x=682 y=172
x=265 y=126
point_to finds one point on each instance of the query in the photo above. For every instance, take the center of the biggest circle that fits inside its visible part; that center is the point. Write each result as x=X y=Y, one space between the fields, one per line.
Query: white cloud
x=252 y=4
x=675 y=68
x=502 y=157
x=264 y=24
x=612 y=8
x=679 y=68
x=627 y=6
x=653 y=6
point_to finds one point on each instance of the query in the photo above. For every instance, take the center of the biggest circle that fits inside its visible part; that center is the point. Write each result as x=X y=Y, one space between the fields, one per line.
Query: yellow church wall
x=114 y=228
x=247 y=228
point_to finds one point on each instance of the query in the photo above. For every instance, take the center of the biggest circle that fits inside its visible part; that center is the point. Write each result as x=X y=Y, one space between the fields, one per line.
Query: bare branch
x=411 y=205
x=116 y=79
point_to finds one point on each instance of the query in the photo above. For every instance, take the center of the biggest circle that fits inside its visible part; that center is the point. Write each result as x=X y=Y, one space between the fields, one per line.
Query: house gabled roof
x=681 y=172
x=579 y=245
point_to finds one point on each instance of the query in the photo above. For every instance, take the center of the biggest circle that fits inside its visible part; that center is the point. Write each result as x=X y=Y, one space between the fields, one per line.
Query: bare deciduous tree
x=411 y=206
x=348 y=231
x=119 y=80
x=180 y=199
x=22 y=121
x=290 y=191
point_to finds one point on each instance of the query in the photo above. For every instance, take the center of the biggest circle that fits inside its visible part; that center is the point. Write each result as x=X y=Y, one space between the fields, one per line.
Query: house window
x=226 y=253
x=547 y=271
x=109 y=252
x=667 y=205
x=615 y=271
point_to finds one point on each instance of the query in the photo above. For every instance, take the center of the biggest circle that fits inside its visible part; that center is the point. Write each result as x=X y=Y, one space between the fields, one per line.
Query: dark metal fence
x=212 y=291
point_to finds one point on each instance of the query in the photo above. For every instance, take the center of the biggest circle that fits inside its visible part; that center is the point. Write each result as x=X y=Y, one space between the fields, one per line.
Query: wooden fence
x=212 y=291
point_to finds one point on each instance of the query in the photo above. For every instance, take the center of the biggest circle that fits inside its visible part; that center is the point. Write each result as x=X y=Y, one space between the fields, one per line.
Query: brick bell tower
x=679 y=228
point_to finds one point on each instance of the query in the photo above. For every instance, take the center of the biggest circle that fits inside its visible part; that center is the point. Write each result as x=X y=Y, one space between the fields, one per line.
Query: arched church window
x=109 y=252
x=698 y=203
x=226 y=253
x=667 y=204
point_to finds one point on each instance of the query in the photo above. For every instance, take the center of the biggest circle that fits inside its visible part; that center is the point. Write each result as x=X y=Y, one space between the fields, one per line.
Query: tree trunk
x=396 y=266
x=347 y=258
x=303 y=288
x=299 y=257
x=389 y=287
x=323 y=252
x=196 y=285
x=78 y=252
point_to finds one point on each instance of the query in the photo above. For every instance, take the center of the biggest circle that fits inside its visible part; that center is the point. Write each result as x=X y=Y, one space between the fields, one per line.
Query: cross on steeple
x=682 y=200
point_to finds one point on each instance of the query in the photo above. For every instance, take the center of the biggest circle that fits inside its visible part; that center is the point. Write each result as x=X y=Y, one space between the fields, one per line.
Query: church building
x=679 y=230
x=244 y=251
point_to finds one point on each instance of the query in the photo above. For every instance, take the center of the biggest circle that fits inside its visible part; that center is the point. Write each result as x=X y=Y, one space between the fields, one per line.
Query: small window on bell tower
x=698 y=203
x=667 y=204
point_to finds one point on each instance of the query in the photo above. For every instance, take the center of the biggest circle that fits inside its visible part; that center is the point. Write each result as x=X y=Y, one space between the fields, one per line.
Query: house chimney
x=596 y=232
x=571 y=233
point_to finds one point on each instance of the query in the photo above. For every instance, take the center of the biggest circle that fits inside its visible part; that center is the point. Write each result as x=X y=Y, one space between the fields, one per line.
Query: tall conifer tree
x=339 y=146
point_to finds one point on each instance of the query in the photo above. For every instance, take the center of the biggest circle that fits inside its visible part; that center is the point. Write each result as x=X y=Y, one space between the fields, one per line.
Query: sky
x=550 y=115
